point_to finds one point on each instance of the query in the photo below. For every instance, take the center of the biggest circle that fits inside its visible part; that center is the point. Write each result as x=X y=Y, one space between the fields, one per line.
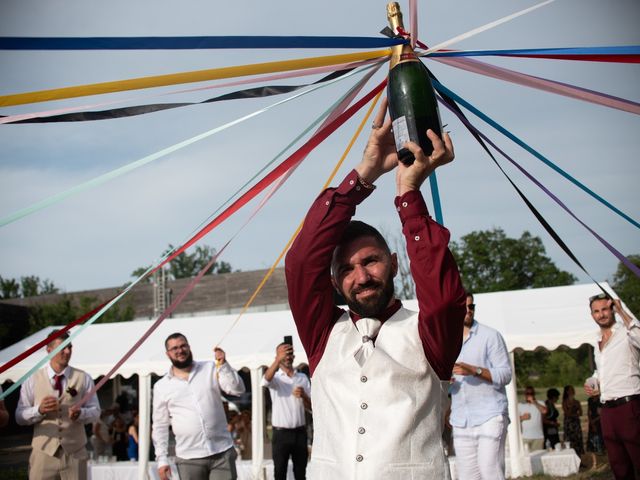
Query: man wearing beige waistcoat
x=47 y=401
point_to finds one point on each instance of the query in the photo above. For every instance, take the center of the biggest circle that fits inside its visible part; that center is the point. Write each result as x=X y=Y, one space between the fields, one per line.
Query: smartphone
x=288 y=340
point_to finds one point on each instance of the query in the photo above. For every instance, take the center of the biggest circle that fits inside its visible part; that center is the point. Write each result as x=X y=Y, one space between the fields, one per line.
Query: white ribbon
x=368 y=328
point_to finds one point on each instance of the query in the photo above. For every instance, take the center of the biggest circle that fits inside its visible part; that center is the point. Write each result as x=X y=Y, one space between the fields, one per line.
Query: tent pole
x=144 y=425
x=513 y=433
x=257 y=424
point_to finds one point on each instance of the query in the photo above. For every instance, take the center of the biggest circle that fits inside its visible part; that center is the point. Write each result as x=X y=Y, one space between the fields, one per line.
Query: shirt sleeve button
x=416 y=238
x=327 y=203
x=351 y=182
x=405 y=204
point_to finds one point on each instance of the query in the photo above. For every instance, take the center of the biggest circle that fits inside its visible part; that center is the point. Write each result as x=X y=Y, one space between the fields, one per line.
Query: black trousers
x=289 y=442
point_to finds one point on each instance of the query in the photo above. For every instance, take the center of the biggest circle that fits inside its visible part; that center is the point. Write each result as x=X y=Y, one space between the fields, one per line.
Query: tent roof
x=528 y=319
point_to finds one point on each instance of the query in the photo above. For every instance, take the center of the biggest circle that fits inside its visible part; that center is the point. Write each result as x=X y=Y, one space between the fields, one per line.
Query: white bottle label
x=401 y=132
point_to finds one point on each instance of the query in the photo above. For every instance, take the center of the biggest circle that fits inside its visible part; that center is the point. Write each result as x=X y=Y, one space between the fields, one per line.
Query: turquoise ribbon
x=92 y=320
x=441 y=88
x=435 y=196
x=54 y=199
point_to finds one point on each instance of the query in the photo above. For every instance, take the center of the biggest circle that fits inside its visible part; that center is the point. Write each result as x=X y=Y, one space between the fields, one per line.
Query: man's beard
x=184 y=363
x=373 y=305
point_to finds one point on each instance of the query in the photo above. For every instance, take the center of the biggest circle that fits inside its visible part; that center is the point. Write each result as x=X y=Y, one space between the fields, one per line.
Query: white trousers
x=480 y=450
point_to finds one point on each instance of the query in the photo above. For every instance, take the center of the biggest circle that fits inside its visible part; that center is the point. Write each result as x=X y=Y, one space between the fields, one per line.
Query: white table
x=129 y=470
x=560 y=463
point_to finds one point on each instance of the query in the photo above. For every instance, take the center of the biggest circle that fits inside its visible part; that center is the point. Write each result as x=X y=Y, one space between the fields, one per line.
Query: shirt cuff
x=34 y=414
x=633 y=323
x=353 y=187
x=162 y=460
x=411 y=204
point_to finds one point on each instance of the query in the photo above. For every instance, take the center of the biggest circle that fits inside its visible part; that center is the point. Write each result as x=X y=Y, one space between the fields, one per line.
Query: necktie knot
x=368 y=328
x=58 y=383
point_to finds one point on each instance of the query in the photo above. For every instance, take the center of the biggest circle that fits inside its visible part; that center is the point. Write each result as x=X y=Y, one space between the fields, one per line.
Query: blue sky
x=97 y=238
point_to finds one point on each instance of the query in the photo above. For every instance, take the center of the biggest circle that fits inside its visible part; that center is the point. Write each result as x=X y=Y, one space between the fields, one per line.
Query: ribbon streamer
x=280 y=169
x=440 y=88
x=484 y=28
x=186 y=77
x=145 y=160
x=191 y=43
x=532 y=151
x=451 y=105
x=276 y=173
x=343 y=101
x=265 y=78
x=559 y=88
x=614 y=54
x=256 y=92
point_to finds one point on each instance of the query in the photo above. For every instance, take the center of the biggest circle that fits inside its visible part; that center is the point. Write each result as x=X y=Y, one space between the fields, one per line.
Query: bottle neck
x=400 y=53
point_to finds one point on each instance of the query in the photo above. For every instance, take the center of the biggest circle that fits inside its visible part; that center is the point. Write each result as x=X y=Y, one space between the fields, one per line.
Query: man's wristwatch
x=478 y=371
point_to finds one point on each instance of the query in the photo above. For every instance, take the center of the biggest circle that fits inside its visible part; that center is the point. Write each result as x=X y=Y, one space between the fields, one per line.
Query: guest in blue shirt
x=479 y=410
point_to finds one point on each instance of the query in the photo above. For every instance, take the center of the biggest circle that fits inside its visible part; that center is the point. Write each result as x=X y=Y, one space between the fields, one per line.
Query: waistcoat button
x=363 y=379
x=363 y=406
x=359 y=458
x=361 y=430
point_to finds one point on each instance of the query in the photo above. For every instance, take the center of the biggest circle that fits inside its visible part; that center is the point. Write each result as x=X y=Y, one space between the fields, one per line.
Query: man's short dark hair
x=357 y=229
x=174 y=336
x=62 y=337
x=469 y=295
x=600 y=296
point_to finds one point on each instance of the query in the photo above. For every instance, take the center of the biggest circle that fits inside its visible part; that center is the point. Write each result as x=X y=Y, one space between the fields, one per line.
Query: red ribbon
x=51 y=337
x=272 y=176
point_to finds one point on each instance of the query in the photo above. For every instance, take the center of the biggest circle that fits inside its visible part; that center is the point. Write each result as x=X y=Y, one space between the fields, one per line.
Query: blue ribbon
x=181 y=43
x=441 y=88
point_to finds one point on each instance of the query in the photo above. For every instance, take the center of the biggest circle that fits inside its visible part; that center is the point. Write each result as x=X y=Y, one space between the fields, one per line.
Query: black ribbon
x=122 y=112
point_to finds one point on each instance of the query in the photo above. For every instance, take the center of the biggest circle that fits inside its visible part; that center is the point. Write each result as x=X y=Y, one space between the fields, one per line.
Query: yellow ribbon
x=295 y=234
x=186 y=77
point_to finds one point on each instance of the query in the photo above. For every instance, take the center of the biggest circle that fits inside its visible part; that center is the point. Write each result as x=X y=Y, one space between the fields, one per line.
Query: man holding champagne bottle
x=377 y=366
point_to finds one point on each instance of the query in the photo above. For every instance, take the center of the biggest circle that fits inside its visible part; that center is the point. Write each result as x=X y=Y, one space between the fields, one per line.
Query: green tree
x=67 y=309
x=188 y=265
x=627 y=285
x=29 y=286
x=543 y=368
x=489 y=261
x=9 y=288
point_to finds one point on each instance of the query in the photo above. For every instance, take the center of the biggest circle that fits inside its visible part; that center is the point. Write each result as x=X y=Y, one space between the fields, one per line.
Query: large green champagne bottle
x=412 y=103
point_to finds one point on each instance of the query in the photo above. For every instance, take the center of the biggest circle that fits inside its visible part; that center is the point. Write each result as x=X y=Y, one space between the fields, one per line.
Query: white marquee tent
x=528 y=319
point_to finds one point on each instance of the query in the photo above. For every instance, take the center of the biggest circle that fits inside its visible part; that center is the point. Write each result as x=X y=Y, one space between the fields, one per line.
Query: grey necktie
x=368 y=328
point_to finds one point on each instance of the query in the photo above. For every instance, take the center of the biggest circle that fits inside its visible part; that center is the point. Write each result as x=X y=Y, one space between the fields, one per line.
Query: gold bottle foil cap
x=394 y=15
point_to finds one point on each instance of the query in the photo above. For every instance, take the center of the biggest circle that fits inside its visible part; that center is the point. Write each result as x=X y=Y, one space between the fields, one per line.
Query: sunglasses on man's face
x=471 y=306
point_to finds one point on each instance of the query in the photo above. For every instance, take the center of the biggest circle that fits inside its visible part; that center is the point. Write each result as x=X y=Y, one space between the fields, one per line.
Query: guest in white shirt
x=188 y=399
x=531 y=413
x=617 y=380
x=290 y=394
x=47 y=401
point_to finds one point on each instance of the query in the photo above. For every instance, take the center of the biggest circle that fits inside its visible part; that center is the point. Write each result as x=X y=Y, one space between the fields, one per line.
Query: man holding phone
x=290 y=395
